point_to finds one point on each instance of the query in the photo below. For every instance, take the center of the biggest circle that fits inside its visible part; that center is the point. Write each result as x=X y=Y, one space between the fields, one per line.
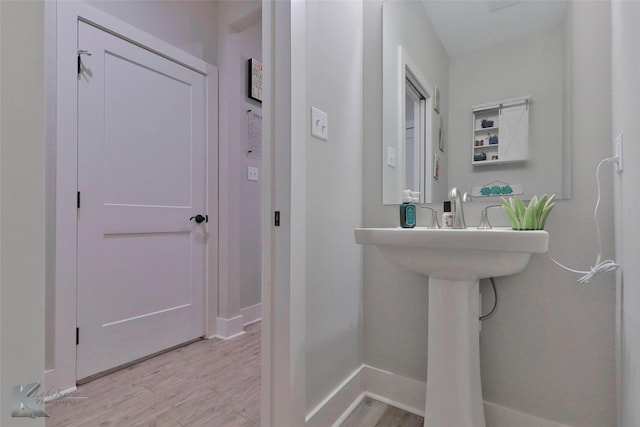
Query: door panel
x=514 y=133
x=141 y=174
x=148 y=284
x=155 y=137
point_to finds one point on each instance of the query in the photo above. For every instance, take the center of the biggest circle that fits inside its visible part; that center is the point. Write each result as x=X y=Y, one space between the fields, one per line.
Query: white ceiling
x=468 y=25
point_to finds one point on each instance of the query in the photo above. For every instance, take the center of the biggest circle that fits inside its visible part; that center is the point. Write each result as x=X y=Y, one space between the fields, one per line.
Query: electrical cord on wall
x=495 y=302
x=600 y=266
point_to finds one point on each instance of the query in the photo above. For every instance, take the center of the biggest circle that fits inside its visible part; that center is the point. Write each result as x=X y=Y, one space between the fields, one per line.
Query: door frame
x=68 y=13
x=283 y=247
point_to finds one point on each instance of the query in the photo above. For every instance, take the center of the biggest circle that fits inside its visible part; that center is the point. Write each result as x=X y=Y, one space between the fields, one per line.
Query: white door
x=141 y=177
x=514 y=133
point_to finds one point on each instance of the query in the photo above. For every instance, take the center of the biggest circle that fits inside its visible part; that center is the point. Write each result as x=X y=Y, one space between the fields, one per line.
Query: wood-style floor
x=372 y=413
x=210 y=383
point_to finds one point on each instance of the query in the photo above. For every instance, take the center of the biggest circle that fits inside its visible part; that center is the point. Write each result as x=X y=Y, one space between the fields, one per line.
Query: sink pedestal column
x=454 y=393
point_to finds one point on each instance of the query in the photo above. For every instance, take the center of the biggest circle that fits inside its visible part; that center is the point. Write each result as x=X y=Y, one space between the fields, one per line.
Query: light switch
x=617 y=151
x=252 y=173
x=391 y=157
x=319 y=124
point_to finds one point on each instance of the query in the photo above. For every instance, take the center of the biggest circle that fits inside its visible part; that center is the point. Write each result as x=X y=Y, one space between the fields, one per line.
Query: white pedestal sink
x=455 y=260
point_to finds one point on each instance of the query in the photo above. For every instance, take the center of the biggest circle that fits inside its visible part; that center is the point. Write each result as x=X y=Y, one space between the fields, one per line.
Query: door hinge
x=78 y=200
x=77 y=336
x=277 y=219
x=80 y=53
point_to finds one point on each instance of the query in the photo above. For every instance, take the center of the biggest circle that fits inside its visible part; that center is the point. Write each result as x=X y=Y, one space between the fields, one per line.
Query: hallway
x=206 y=383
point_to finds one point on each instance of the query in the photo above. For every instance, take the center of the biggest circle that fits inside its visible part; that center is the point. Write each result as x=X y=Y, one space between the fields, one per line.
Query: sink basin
x=456 y=254
x=455 y=261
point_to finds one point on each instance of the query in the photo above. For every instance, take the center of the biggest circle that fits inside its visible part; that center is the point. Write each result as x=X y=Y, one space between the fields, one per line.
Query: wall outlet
x=617 y=151
x=319 y=124
x=391 y=157
x=252 y=173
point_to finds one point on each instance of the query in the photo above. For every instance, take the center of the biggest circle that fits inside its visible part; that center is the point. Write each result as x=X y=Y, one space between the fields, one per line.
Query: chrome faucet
x=458 y=199
x=433 y=223
x=484 y=217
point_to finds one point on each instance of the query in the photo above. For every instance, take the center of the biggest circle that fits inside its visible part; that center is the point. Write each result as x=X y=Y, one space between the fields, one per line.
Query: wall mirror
x=444 y=65
x=408 y=120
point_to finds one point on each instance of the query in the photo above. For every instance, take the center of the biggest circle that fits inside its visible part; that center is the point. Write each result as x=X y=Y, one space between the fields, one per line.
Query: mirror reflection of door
x=415 y=110
x=427 y=39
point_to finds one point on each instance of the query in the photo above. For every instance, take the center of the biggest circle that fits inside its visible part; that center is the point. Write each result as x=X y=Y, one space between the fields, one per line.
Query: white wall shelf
x=506 y=124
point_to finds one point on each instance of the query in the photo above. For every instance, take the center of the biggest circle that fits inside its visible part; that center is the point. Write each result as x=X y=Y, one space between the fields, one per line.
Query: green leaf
x=529 y=222
x=541 y=204
x=545 y=214
x=506 y=203
x=515 y=223
x=519 y=207
x=549 y=201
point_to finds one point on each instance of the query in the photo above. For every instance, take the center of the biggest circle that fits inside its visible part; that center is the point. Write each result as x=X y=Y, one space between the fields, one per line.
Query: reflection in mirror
x=415 y=111
x=410 y=92
x=507 y=53
x=412 y=165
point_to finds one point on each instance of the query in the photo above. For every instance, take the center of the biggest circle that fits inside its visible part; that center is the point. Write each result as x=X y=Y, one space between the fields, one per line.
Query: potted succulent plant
x=532 y=217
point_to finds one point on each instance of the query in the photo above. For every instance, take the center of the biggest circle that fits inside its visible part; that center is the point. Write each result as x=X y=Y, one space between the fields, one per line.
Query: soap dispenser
x=447 y=216
x=407 y=210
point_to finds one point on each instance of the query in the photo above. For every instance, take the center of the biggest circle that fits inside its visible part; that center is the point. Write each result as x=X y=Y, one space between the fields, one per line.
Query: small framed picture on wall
x=255 y=79
x=441 y=135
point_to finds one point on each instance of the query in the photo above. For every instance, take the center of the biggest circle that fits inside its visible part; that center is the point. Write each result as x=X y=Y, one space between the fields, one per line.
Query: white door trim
x=283 y=248
x=68 y=13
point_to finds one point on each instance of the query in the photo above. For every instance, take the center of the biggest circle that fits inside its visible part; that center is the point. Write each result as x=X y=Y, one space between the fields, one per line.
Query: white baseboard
x=251 y=314
x=403 y=393
x=337 y=406
x=395 y=390
x=229 y=328
x=49 y=378
x=51 y=390
x=501 y=416
x=57 y=394
x=349 y=410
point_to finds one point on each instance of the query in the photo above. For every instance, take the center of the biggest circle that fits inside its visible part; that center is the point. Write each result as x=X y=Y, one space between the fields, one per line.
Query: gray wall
x=549 y=350
x=626 y=109
x=249 y=46
x=239 y=38
x=188 y=25
x=22 y=265
x=406 y=24
x=532 y=65
x=395 y=316
x=333 y=197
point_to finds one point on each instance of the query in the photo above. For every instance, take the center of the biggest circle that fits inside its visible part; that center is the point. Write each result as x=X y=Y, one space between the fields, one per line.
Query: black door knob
x=199 y=218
